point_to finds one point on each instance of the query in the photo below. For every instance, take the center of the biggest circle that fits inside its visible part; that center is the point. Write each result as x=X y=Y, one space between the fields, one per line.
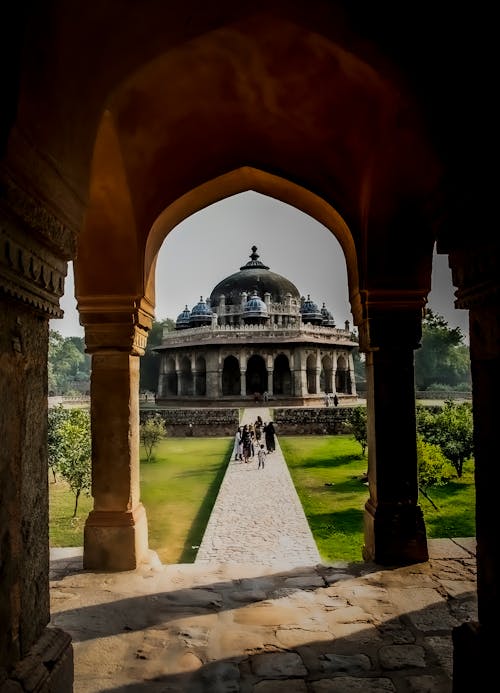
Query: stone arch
x=311 y=370
x=231 y=377
x=171 y=384
x=343 y=376
x=282 y=376
x=256 y=375
x=326 y=375
x=185 y=376
x=200 y=383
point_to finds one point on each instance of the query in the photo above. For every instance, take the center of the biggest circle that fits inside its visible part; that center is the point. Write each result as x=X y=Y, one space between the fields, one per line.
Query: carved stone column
x=476 y=276
x=394 y=525
x=116 y=536
x=34 y=249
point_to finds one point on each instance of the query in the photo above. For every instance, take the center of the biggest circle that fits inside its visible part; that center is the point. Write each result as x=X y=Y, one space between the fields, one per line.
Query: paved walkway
x=257 y=517
x=259 y=613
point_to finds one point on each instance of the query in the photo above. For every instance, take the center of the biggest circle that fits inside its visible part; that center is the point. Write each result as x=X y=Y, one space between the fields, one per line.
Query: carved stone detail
x=116 y=323
x=30 y=214
x=475 y=273
x=30 y=272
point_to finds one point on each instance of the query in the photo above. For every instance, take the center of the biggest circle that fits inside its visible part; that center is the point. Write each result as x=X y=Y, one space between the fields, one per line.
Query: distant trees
x=68 y=364
x=443 y=359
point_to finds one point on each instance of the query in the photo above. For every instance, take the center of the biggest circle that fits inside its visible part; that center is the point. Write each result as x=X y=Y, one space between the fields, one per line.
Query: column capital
x=475 y=273
x=116 y=323
x=391 y=319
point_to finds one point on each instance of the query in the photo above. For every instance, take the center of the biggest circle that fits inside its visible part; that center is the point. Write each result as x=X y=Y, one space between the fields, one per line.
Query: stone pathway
x=257 y=517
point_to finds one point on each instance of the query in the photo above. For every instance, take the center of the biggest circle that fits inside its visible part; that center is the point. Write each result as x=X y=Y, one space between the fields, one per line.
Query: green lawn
x=335 y=513
x=180 y=488
x=178 y=491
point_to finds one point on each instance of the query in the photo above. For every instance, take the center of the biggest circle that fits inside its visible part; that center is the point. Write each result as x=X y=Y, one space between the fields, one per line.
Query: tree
x=56 y=417
x=433 y=468
x=443 y=357
x=150 y=362
x=151 y=432
x=451 y=427
x=357 y=419
x=75 y=463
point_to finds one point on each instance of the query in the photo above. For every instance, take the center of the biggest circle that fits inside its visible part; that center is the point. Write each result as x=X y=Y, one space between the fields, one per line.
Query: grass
x=335 y=513
x=178 y=491
x=180 y=488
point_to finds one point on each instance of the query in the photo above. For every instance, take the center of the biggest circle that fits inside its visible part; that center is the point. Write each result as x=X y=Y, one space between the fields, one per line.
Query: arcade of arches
x=119 y=120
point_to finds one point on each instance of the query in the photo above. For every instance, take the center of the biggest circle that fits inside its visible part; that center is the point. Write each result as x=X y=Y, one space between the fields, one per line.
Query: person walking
x=261 y=455
x=238 y=445
x=246 y=441
x=269 y=434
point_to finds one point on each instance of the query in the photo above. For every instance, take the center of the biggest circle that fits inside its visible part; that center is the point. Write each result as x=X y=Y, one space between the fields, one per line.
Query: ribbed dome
x=310 y=312
x=182 y=321
x=253 y=277
x=200 y=314
x=255 y=307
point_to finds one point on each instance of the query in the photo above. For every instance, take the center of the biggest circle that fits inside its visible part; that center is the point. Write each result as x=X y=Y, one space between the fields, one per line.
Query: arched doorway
x=186 y=377
x=311 y=374
x=170 y=378
x=231 y=379
x=256 y=375
x=326 y=375
x=200 y=382
x=343 y=376
x=282 y=377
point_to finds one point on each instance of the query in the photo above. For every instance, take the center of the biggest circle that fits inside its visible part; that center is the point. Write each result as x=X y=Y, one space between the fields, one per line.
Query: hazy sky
x=216 y=242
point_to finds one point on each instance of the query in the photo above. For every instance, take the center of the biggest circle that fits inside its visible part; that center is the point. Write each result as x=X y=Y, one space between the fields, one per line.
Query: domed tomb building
x=255 y=336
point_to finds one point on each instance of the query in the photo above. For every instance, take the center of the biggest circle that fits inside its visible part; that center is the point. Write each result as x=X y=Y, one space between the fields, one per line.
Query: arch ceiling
x=288 y=92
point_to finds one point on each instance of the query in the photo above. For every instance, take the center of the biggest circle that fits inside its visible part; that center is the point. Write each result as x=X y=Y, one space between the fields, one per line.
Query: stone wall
x=196 y=422
x=311 y=420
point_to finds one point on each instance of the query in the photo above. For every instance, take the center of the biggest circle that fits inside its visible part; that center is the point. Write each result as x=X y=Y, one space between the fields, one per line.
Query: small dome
x=310 y=312
x=328 y=320
x=255 y=307
x=183 y=319
x=200 y=314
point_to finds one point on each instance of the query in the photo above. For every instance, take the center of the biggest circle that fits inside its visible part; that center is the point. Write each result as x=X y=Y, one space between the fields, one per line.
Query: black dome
x=253 y=277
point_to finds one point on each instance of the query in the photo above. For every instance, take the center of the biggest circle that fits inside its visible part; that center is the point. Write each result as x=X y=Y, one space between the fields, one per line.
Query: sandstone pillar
x=475 y=275
x=116 y=536
x=34 y=249
x=394 y=526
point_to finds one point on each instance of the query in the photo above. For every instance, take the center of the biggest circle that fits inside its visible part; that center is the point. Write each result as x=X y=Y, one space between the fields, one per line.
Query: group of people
x=257 y=439
x=329 y=398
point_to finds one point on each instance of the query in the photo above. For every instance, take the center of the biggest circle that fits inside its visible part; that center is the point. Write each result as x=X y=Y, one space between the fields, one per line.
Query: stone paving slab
x=208 y=628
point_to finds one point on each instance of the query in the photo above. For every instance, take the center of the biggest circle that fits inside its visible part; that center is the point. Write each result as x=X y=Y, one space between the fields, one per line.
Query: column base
x=115 y=541
x=48 y=666
x=394 y=534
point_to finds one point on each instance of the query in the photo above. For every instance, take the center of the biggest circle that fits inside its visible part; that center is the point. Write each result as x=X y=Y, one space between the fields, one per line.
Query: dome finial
x=254 y=262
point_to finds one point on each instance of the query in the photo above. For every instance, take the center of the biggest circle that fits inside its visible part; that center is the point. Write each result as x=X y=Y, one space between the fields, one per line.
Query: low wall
x=198 y=423
x=311 y=420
